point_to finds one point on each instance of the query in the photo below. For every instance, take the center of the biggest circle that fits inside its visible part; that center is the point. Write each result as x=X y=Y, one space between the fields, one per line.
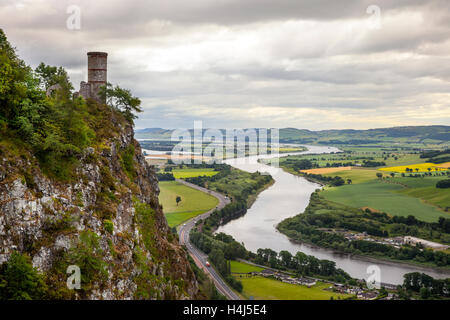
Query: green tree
x=424 y=293
x=55 y=127
x=20 y=281
x=178 y=200
x=286 y=258
x=121 y=100
x=88 y=255
x=50 y=76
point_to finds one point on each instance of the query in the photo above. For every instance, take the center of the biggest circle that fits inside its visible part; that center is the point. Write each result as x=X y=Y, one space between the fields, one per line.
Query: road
x=199 y=257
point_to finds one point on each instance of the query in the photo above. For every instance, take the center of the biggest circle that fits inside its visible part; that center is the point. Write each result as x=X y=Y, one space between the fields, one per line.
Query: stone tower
x=97 y=75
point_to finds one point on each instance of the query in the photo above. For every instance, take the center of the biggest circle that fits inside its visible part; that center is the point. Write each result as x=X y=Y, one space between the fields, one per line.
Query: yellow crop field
x=420 y=167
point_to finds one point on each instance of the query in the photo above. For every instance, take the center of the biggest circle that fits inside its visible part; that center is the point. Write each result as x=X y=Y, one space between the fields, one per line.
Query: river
x=287 y=197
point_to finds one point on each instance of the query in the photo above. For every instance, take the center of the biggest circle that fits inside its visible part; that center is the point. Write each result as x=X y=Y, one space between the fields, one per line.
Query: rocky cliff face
x=107 y=220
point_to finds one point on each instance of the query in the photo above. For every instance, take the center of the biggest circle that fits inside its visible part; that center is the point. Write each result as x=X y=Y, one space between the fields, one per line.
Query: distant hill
x=410 y=134
x=154 y=133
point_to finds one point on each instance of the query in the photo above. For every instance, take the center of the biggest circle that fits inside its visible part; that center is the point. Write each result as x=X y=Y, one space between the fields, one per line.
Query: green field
x=174 y=219
x=191 y=173
x=193 y=202
x=261 y=288
x=385 y=197
x=240 y=267
x=357 y=155
x=425 y=188
x=356 y=175
x=402 y=196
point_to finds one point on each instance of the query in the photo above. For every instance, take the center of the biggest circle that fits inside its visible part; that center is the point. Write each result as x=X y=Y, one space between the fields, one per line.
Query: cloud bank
x=255 y=63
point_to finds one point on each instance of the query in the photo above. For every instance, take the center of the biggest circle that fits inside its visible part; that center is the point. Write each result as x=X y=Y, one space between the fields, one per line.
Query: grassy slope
x=268 y=289
x=425 y=188
x=193 y=202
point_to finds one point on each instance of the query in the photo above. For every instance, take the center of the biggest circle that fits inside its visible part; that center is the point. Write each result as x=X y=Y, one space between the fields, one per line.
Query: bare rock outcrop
x=112 y=199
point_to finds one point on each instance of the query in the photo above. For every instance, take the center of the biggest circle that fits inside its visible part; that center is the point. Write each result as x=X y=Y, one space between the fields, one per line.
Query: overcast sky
x=318 y=64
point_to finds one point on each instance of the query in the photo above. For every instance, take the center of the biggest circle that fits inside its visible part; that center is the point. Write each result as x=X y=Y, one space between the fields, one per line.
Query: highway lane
x=199 y=257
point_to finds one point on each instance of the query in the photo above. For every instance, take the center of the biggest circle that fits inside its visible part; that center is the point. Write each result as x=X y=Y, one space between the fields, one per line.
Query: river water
x=287 y=197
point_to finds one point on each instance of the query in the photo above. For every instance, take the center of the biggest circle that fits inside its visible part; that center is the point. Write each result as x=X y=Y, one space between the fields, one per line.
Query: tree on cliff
x=121 y=100
x=50 y=76
x=19 y=280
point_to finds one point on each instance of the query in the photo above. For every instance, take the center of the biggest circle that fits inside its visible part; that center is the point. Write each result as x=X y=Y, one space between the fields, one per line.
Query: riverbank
x=326 y=224
x=252 y=198
x=335 y=220
x=305 y=176
x=371 y=259
x=289 y=195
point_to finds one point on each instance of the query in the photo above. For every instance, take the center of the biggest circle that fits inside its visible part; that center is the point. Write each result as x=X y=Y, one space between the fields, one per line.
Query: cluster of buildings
x=396 y=242
x=425 y=243
x=283 y=277
x=361 y=294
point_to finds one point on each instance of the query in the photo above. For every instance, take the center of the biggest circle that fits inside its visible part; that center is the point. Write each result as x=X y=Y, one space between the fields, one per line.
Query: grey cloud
x=388 y=71
x=102 y=14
